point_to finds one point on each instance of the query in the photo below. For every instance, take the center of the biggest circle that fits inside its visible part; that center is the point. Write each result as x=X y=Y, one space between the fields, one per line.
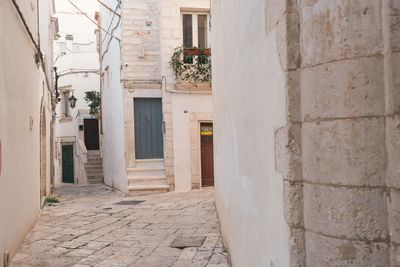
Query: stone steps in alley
x=148 y=177
x=94 y=168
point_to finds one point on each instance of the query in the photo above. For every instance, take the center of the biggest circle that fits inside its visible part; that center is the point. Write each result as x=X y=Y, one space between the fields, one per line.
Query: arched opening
x=43 y=153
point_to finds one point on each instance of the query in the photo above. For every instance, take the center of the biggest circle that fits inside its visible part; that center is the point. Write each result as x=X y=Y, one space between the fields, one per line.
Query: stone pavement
x=88 y=228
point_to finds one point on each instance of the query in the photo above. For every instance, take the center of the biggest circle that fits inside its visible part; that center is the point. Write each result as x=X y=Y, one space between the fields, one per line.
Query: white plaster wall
x=183 y=105
x=22 y=88
x=81 y=56
x=47 y=32
x=249 y=105
x=113 y=147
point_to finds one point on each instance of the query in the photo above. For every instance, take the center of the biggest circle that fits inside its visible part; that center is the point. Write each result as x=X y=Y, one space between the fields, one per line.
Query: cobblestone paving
x=87 y=228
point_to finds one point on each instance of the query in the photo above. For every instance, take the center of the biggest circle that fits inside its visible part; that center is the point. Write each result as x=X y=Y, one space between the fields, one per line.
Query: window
x=69 y=37
x=187 y=31
x=196 y=30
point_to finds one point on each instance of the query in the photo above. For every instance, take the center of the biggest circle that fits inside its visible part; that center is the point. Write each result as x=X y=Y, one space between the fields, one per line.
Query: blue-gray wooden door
x=148 y=128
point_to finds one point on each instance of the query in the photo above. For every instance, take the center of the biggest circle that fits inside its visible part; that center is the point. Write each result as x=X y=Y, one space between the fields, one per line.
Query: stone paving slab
x=88 y=228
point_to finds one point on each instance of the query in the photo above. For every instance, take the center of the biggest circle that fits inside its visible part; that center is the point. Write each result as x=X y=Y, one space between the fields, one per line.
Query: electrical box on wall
x=80 y=127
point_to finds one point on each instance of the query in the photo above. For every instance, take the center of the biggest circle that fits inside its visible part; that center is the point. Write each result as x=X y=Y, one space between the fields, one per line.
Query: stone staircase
x=148 y=177
x=94 y=167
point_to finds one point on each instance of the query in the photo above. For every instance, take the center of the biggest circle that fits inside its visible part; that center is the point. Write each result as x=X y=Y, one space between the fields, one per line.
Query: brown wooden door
x=91 y=133
x=207 y=154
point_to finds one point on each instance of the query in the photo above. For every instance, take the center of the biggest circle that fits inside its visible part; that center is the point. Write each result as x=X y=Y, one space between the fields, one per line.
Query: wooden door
x=207 y=154
x=67 y=164
x=91 y=133
x=148 y=128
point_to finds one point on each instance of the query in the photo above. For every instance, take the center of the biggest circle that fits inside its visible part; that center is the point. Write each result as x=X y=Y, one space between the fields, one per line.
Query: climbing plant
x=191 y=67
x=93 y=99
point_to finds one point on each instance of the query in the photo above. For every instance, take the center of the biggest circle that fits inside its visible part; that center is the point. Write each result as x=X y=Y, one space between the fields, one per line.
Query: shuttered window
x=187 y=31
x=202 y=30
x=196 y=30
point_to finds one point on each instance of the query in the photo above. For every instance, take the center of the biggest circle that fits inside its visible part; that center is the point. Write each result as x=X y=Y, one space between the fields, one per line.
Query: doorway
x=91 y=134
x=207 y=154
x=148 y=128
x=67 y=164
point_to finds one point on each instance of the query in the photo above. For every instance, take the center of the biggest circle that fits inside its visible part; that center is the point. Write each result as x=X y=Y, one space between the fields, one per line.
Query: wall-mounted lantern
x=72 y=100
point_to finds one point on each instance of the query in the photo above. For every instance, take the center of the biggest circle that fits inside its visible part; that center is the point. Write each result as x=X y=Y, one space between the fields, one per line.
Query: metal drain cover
x=129 y=202
x=186 y=242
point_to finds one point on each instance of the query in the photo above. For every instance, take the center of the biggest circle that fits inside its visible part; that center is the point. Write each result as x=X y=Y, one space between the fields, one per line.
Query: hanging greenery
x=191 y=65
x=93 y=99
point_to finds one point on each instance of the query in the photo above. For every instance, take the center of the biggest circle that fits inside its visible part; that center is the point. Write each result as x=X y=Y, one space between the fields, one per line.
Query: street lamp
x=72 y=100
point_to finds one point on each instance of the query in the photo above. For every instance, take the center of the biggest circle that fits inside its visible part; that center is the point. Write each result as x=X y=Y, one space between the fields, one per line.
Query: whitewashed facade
x=26 y=142
x=77 y=62
x=144 y=40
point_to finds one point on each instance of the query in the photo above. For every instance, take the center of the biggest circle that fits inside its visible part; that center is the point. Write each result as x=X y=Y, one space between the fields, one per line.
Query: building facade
x=77 y=157
x=306 y=131
x=159 y=115
x=26 y=115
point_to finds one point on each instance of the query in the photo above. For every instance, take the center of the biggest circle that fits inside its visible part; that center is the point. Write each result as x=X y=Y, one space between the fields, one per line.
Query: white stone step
x=95 y=181
x=148 y=180
x=148 y=177
x=97 y=170
x=95 y=164
x=93 y=167
x=94 y=152
x=138 y=172
x=91 y=174
x=150 y=163
x=147 y=187
x=95 y=176
x=94 y=159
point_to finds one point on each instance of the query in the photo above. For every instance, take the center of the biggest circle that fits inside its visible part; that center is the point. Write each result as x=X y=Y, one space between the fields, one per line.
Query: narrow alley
x=200 y=133
x=97 y=226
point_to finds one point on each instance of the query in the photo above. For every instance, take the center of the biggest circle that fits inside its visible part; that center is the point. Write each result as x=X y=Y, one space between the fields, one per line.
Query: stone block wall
x=342 y=185
x=141 y=39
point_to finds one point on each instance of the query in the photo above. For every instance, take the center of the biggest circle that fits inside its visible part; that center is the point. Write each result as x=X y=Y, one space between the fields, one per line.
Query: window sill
x=197 y=51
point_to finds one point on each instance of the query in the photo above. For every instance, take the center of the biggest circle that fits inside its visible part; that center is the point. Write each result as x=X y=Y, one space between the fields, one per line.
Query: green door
x=148 y=128
x=68 y=164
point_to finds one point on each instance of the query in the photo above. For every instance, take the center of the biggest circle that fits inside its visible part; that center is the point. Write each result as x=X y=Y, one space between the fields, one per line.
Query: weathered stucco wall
x=113 y=145
x=249 y=105
x=337 y=149
x=24 y=96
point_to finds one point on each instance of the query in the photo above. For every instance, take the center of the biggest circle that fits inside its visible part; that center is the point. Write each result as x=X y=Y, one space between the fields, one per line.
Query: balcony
x=192 y=69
